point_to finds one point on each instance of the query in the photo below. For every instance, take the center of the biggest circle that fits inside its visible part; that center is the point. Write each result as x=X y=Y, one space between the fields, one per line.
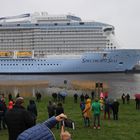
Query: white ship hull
x=113 y=61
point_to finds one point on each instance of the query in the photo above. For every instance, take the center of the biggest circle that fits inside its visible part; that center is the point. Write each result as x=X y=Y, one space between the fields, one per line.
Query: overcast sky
x=123 y=14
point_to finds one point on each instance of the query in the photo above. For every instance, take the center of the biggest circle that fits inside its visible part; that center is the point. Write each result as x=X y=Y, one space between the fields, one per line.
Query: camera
x=68 y=123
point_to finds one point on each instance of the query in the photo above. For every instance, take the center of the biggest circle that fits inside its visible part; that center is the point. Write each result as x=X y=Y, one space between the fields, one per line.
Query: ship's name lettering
x=84 y=60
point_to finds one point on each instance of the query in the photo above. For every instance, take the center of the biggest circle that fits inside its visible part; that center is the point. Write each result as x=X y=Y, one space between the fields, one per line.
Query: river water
x=117 y=83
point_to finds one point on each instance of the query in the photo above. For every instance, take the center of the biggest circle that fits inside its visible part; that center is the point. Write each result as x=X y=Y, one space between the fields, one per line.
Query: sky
x=124 y=15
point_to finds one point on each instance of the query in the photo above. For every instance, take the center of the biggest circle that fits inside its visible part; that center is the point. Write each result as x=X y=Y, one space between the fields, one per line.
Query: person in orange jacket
x=87 y=112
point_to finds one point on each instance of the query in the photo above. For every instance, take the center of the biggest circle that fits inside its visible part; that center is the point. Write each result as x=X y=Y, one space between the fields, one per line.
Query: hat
x=19 y=100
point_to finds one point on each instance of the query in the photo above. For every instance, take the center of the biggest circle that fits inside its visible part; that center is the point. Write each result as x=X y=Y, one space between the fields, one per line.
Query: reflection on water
x=117 y=83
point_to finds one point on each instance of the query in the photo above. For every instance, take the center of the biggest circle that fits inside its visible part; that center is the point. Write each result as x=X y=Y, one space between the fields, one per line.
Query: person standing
x=54 y=95
x=75 y=97
x=82 y=97
x=10 y=104
x=137 y=100
x=51 y=109
x=92 y=95
x=9 y=96
x=96 y=113
x=82 y=107
x=107 y=108
x=18 y=119
x=86 y=96
x=3 y=109
x=127 y=98
x=115 y=109
x=87 y=113
x=32 y=109
x=123 y=98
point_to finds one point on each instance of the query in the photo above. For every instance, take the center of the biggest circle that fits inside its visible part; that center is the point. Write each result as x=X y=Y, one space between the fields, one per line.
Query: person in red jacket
x=10 y=104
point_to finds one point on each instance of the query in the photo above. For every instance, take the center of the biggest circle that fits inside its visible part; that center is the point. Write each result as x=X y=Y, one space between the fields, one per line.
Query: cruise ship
x=41 y=43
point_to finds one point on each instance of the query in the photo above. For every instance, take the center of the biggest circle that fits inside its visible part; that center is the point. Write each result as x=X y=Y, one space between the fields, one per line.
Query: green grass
x=126 y=128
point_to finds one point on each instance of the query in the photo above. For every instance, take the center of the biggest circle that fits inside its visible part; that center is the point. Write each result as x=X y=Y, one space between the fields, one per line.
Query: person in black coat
x=9 y=96
x=123 y=98
x=51 y=109
x=82 y=97
x=115 y=109
x=75 y=97
x=32 y=109
x=137 y=103
x=3 y=109
x=127 y=98
x=54 y=95
x=18 y=119
x=107 y=108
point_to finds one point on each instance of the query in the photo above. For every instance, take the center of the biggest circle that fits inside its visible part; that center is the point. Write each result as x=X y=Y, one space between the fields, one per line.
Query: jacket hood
x=88 y=101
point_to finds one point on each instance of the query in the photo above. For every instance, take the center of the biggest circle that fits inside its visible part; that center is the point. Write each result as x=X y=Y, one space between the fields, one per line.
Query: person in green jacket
x=96 y=113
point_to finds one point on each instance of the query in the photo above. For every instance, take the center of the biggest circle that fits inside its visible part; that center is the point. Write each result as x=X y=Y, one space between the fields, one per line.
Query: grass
x=126 y=128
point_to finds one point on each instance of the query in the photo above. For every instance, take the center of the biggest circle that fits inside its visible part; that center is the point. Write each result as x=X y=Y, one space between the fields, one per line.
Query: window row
x=29 y=64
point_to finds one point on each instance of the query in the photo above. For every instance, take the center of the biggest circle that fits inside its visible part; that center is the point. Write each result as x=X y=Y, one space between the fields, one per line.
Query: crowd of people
x=21 y=121
x=126 y=99
x=93 y=108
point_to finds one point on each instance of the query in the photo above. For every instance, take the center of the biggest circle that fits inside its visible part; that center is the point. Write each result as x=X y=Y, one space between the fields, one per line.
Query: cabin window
x=105 y=55
x=120 y=63
x=81 y=23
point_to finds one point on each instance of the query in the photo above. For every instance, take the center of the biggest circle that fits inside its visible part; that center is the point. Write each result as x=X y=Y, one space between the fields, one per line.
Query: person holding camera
x=42 y=131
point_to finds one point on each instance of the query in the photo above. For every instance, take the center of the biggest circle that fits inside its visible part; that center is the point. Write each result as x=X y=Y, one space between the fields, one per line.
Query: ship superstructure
x=44 y=43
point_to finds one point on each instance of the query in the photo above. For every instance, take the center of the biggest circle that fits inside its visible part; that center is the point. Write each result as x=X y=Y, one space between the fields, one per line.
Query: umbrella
x=137 y=96
x=63 y=93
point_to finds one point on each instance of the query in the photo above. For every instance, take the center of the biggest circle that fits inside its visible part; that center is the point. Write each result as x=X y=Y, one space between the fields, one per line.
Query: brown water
x=117 y=83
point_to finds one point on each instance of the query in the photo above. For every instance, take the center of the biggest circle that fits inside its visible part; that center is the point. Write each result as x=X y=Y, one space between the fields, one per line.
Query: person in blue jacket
x=42 y=131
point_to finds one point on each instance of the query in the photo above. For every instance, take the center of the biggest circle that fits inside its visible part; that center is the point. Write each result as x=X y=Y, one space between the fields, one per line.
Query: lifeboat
x=6 y=54
x=24 y=54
